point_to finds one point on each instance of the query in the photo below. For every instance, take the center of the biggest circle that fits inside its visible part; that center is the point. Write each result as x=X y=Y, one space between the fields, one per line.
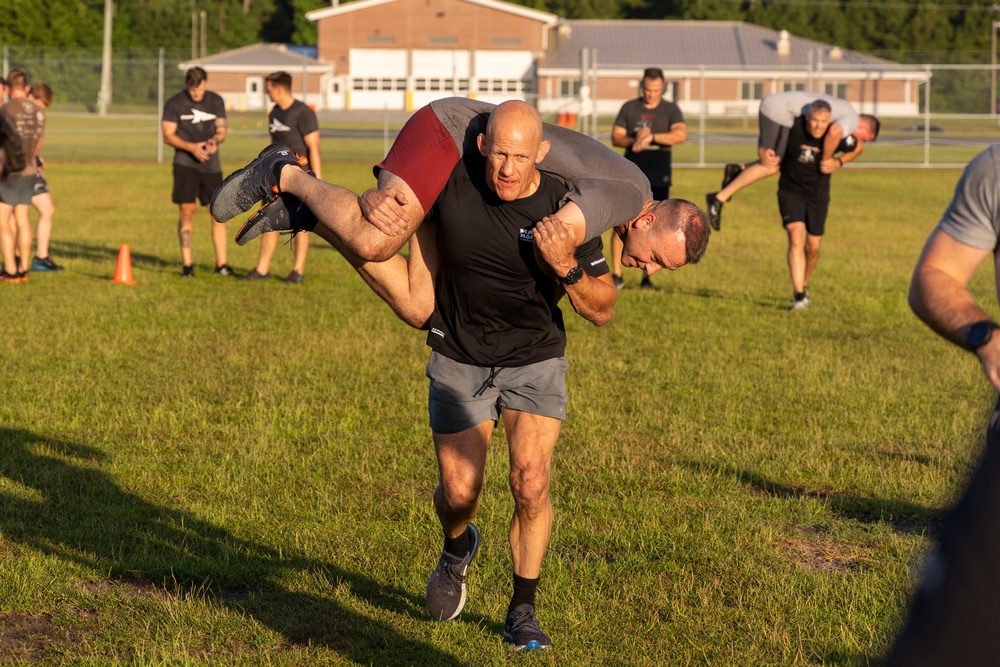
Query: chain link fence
x=957 y=117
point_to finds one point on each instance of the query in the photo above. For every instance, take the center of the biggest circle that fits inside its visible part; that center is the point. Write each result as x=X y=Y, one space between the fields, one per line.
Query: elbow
x=602 y=318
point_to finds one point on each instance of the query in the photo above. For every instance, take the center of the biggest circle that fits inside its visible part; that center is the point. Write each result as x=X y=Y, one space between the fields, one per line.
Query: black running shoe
x=280 y=213
x=295 y=278
x=224 y=270
x=521 y=630
x=446 y=587
x=257 y=181
x=714 y=209
x=187 y=271
x=256 y=275
x=647 y=283
x=618 y=281
x=730 y=173
x=45 y=264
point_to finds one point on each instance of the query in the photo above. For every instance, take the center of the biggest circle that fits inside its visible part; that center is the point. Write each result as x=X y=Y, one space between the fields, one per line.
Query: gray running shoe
x=446 y=588
x=257 y=181
x=521 y=630
x=255 y=275
x=280 y=213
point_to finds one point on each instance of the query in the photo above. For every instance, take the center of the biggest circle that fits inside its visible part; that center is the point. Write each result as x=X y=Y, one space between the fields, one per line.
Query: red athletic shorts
x=423 y=155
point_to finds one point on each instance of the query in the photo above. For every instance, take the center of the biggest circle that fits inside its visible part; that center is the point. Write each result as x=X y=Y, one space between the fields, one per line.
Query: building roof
x=690 y=45
x=256 y=57
x=357 y=5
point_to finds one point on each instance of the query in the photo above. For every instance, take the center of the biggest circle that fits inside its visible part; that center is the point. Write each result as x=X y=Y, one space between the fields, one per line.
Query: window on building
x=400 y=84
x=569 y=88
x=790 y=86
x=505 y=41
x=463 y=84
x=497 y=85
x=449 y=85
x=442 y=39
x=483 y=84
x=751 y=90
x=435 y=84
x=380 y=39
x=837 y=89
x=420 y=84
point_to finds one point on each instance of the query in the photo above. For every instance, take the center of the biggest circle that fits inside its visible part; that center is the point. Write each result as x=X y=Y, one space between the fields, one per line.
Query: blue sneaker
x=521 y=630
x=45 y=264
x=446 y=588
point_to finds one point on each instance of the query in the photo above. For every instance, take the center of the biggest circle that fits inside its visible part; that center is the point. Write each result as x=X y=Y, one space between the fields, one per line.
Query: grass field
x=209 y=471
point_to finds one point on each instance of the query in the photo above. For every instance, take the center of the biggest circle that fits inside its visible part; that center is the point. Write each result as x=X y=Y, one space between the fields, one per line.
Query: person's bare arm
x=592 y=298
x=834 y=134
x=833 y=164
x=315 y=161
x=940 y=297
x=677 y=134
x=620 y=137
x=170 y=138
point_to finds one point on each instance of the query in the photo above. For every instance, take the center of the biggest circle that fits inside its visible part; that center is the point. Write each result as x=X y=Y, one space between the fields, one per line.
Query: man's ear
x=644 y=221
x=543 y=150
x=481 y=143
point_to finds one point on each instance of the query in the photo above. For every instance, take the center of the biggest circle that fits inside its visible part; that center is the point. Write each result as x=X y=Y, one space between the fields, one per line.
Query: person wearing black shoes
x=647 y=128
x=25 y=128
x=194 y=124
x=954 y=617
x=804 y=193
x=778 y=113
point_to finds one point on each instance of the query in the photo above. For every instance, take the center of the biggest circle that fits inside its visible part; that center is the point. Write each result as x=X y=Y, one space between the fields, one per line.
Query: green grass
x=212 y=471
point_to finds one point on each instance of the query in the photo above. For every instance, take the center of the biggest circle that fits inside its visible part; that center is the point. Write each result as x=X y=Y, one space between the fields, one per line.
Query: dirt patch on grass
x=27 y=638
x=810 y=550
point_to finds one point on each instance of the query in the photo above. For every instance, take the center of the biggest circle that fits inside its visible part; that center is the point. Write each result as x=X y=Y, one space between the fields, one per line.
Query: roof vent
x=565 y=31
x=784 y=44
x=836 y=54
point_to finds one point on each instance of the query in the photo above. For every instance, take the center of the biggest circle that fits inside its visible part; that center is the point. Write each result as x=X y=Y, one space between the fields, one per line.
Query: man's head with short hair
x=868 y=128
x=667 y=235
x=279 y=86
x=513 y=146
x=195 y=80
x=41 y=93
x=652 y=86
x=818 y=115
x=17 y=79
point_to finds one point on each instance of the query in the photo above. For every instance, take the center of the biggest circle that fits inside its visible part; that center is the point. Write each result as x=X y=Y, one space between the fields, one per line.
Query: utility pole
x=104 y=96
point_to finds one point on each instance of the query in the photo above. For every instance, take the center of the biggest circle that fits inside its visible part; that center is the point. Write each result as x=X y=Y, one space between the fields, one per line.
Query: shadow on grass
x=715 y=294
x=73 y=510
x=902 y=515
x=99 y=254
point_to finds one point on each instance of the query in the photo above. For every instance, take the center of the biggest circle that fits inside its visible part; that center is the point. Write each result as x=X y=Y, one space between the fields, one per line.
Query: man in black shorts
x=194 y=123
x=804 y=194
x=290 y=123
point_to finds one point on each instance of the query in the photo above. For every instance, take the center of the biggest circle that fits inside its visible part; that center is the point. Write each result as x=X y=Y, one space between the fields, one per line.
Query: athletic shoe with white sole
x=800 y=303
x=257 y=181
x=446 y=587
x=522 y=632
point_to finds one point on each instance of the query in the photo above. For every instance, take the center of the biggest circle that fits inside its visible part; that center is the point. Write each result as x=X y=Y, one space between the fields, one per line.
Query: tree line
x=957 y=31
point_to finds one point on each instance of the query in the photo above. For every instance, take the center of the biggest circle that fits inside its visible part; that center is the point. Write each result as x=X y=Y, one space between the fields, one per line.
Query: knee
x=530 y=488
x=458 y=497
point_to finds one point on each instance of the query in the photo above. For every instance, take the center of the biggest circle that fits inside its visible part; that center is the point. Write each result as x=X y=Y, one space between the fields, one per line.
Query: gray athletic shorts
x=41 y=185
x=462 y=396
x=772 y=135
x=17 y=190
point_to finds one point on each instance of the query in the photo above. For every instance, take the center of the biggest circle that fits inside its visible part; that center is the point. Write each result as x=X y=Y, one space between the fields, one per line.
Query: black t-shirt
x=495 y=307
x=290 y=126
x=800 y=172
x=195 y=123
x=654 y=161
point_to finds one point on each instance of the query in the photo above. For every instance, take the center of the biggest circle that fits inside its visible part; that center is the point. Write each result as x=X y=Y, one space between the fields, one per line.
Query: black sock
x=458 y=546
x=799 y=296
x=524 y=592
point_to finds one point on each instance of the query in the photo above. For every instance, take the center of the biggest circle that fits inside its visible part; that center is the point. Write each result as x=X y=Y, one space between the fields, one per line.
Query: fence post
x=704 y=111
x=159 y=108
x=927 y=118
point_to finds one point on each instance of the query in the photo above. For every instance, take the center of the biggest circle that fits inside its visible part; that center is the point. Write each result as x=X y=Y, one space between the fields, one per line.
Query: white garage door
x=503 y=75
x=378 y=78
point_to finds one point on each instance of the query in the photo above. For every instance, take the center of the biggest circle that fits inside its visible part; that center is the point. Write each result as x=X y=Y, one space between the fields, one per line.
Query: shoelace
x=522 y=620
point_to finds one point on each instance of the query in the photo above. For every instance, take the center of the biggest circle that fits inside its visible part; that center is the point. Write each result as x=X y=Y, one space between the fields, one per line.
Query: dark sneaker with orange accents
x=280 y=213
x=522 y=632
x=255 y=182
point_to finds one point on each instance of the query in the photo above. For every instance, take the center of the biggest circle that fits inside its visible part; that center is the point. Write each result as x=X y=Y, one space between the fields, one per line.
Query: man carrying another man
x=496 y=333
x=778 y=114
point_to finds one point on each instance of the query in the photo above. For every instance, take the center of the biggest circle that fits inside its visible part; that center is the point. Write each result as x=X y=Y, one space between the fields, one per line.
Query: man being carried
x=778 y=114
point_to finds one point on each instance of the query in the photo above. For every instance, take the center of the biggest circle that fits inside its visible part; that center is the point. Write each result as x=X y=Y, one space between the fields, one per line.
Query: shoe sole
x=243 y=188
x=274 y=215
x=473 y=550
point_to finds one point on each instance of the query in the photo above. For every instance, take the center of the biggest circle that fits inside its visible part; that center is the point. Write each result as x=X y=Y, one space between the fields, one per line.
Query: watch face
x=979 y=335
x=573 y=276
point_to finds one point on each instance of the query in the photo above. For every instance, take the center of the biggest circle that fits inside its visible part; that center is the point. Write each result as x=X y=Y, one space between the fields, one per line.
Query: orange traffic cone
x=123 y=270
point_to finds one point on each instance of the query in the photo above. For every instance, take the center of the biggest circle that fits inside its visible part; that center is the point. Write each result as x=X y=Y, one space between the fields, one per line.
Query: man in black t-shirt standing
x=646 y=128
x=498 y=351
x=290 y=123
x=194 y=124
x=804 y=193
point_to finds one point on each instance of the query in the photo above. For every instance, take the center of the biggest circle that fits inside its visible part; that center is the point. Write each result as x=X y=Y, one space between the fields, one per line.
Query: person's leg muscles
x=43 y=228
x=22 y=221
x=532 y=439
x=797 y=254
x=811 y=256
x=185 y=230
x=8 y=238
x=461 y=461
x=616 y=255
x=268 y=244
x=300 y=247
x=219 y=241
